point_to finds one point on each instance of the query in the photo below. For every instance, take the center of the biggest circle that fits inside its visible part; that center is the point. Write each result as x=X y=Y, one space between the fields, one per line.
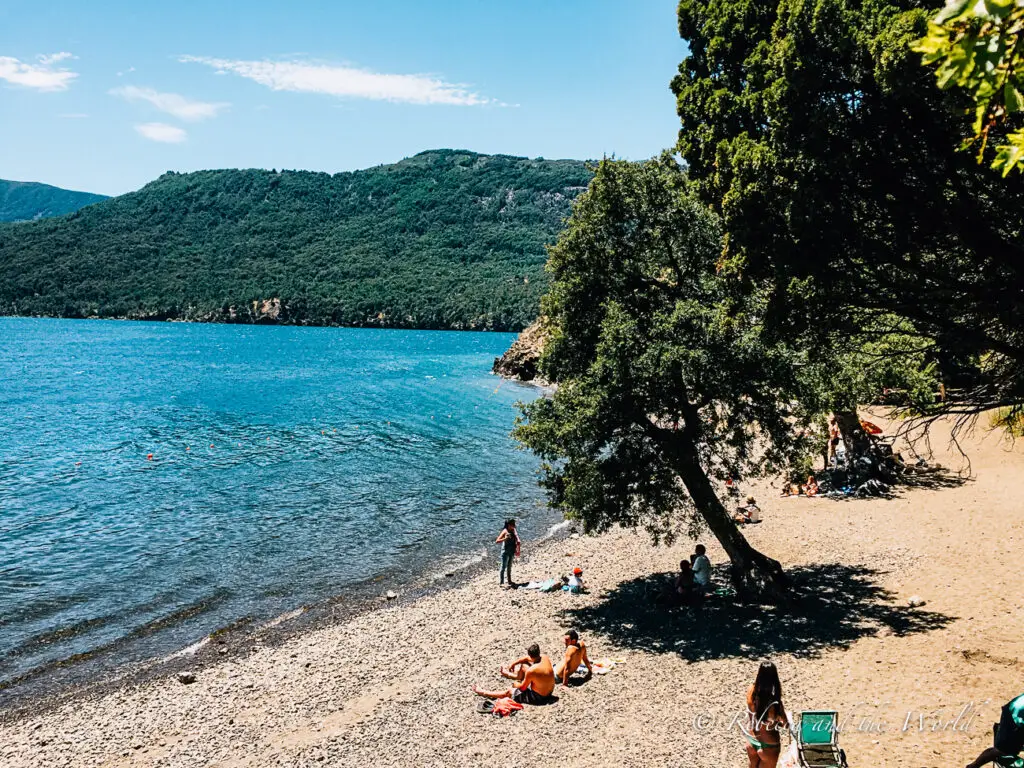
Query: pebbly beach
x=900 y=627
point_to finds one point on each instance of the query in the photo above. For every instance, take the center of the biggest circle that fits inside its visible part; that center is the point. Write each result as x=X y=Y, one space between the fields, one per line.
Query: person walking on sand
x=510 y=546
x=1008 y=738
x=535 y=675
x=765 y=718
x=575 y=654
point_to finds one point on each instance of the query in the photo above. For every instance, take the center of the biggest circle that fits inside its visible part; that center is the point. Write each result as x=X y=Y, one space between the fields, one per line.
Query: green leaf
x=1010 y=155
x=1012 y=99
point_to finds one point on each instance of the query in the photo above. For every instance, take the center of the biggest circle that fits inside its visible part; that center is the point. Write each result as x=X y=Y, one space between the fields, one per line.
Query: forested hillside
x=445 y=239
x=27 y=200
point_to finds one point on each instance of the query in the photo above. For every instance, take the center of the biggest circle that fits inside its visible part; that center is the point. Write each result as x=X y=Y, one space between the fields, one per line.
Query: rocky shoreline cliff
x=521 y=361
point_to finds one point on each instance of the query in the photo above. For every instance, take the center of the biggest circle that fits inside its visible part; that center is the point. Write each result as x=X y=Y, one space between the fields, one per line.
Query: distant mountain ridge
x=446 y=239
x=29 y=200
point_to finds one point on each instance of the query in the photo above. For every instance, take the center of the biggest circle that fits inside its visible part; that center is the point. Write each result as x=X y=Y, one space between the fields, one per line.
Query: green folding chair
x=818 y=741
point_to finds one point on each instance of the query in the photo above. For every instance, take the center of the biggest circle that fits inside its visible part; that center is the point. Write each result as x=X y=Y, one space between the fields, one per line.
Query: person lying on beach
x=1008 y=738
x=535 y=677
x=575 y=654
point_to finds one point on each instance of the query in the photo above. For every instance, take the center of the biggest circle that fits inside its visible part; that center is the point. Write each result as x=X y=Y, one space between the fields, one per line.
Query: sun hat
x=577 y=571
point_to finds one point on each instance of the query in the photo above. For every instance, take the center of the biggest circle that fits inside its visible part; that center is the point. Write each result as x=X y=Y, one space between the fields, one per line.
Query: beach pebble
x=390 y=595
x=186 y=678
x=916 y=601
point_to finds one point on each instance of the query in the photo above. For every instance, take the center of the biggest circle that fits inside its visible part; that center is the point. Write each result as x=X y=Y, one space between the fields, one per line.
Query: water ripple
x=286 y=464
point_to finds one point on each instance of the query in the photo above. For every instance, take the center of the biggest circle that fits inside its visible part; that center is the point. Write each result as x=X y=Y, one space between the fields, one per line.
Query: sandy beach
x=914 y=686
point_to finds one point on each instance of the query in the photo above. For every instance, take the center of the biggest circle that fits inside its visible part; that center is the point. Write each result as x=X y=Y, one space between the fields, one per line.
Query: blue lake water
x=287 y=464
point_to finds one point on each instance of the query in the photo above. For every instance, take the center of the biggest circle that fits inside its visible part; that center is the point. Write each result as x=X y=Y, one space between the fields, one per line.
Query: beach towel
x=871 y=429
x=505 y=707
x=602 y=666
x=544 y=586
x=549 y=585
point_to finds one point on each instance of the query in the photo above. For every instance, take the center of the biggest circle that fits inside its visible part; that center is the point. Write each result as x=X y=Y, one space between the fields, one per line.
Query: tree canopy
x=445 y=239
x=833 y=159
x=976 y=46
x=666 y=383
x=28 y=201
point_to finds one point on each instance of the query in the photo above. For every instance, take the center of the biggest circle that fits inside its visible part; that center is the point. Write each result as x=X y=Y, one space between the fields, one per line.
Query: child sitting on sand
x=575 y=583
x=748 y=514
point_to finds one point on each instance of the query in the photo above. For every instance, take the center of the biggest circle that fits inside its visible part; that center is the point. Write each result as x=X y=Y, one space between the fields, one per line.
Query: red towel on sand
x=505 y=707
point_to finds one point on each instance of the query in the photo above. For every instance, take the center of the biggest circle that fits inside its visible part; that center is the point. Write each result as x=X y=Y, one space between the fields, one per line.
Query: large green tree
x=977 y=46
x=666 y=385
x=832 y=157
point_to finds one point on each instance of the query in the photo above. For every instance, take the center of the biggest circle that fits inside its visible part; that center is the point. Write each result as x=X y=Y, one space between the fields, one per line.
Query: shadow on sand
x=835 y=605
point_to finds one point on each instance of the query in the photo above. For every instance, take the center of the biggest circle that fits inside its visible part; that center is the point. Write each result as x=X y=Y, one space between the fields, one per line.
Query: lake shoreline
x=33 y=694
x=219 y=319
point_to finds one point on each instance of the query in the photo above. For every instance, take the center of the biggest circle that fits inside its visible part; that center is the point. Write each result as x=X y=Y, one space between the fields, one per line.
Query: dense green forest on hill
x=445 y=239
x=27 y=200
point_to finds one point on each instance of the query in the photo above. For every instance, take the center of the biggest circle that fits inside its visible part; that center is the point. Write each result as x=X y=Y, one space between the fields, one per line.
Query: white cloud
x=345 y=81
x=171 y=103
x=46 y=59
x=168 y=134
x=42 y=76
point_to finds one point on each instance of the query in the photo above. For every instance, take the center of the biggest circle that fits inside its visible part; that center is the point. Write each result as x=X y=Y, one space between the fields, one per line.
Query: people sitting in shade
x=688 y=592
x=751 y=513
x=811 y=486
x=700 y=565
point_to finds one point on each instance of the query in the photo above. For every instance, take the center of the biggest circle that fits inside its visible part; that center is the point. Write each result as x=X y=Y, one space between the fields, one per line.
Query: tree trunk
x=755 y=575
x=857 y=443
x=864 y=461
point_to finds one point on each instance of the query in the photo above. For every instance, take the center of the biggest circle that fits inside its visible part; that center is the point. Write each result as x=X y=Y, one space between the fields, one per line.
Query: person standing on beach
x=510 y=546
x=766 y=717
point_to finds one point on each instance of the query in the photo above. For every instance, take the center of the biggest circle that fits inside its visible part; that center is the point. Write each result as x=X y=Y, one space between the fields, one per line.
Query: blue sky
x=106 y=96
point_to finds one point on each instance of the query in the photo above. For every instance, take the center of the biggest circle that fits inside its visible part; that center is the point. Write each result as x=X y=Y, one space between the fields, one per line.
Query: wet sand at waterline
x=391 y=686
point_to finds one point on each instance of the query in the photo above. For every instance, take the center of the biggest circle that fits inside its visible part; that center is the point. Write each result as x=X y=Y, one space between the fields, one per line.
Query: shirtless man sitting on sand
x=535 y=677
x=575 y=654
